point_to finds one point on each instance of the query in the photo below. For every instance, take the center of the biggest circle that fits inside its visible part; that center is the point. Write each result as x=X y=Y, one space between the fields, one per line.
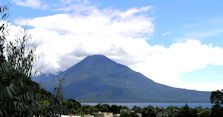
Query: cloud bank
x=36 y=4
x=64 y=39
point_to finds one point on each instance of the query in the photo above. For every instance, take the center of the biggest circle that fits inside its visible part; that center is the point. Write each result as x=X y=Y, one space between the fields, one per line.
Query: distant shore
x=164 y=105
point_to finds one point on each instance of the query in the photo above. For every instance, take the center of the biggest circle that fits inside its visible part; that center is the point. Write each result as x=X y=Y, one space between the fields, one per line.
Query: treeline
x=150 y=111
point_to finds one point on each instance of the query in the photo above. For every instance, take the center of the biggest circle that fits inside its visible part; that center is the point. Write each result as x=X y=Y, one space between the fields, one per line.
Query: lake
x=164 y=105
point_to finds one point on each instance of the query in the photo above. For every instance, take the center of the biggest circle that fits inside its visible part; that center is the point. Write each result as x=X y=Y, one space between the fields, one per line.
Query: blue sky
x=178 y=43
x=173 y=19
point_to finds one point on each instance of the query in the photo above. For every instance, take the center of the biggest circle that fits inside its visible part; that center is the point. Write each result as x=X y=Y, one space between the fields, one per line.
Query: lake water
x=164 y=105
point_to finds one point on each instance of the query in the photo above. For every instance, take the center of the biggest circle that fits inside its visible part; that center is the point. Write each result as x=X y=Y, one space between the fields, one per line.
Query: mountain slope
x=97 y=78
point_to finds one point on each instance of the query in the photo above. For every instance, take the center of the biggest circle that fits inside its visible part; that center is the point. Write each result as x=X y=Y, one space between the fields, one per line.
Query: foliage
x=21 y=97
x=103 y=108
x=72 y=105
x=58 y=100
x=216 y=111
x=136 y=109
x=205 y=113
x=3 y=13
x=216 y=98
x=149 y=111
x=114 y=109
x=128 y=115
x=187 y=112
x=18 y=93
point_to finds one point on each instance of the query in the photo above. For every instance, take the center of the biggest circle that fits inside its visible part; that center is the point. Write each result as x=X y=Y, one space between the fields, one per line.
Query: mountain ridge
x=98 y=78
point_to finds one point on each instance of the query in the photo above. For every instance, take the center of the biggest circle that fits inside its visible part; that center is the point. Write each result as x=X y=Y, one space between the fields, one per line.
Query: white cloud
x=65 y=39
x=166 y=65
x=69 y=36
x=30 y=3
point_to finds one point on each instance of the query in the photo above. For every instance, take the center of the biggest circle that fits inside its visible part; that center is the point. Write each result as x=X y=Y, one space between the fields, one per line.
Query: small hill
x=99 y=79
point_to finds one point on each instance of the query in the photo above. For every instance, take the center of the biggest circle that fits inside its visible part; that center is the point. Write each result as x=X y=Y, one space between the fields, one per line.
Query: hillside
x=99 y=79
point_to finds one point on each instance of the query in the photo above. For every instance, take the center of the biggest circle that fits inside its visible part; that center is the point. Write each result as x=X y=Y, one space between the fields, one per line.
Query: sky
x=177 y=43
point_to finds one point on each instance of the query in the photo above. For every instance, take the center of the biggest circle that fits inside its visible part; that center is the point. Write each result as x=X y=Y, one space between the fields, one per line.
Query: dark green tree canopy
x=217 y=97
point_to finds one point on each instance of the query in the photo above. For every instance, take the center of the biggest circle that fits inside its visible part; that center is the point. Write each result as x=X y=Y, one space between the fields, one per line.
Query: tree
x=205 y=113
x=19 y=95
x=136 y=109
x=103 y=107
x=72 y=105
x=187 y=112
x=58 y=104
x=114 y=109
x=216 y=111
x=3 y=13
x=148 y=111
x=216 y=98
x=128 y=115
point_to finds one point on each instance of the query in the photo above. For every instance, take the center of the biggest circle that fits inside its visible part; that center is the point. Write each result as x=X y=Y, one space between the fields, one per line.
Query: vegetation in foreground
x=21 y=97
